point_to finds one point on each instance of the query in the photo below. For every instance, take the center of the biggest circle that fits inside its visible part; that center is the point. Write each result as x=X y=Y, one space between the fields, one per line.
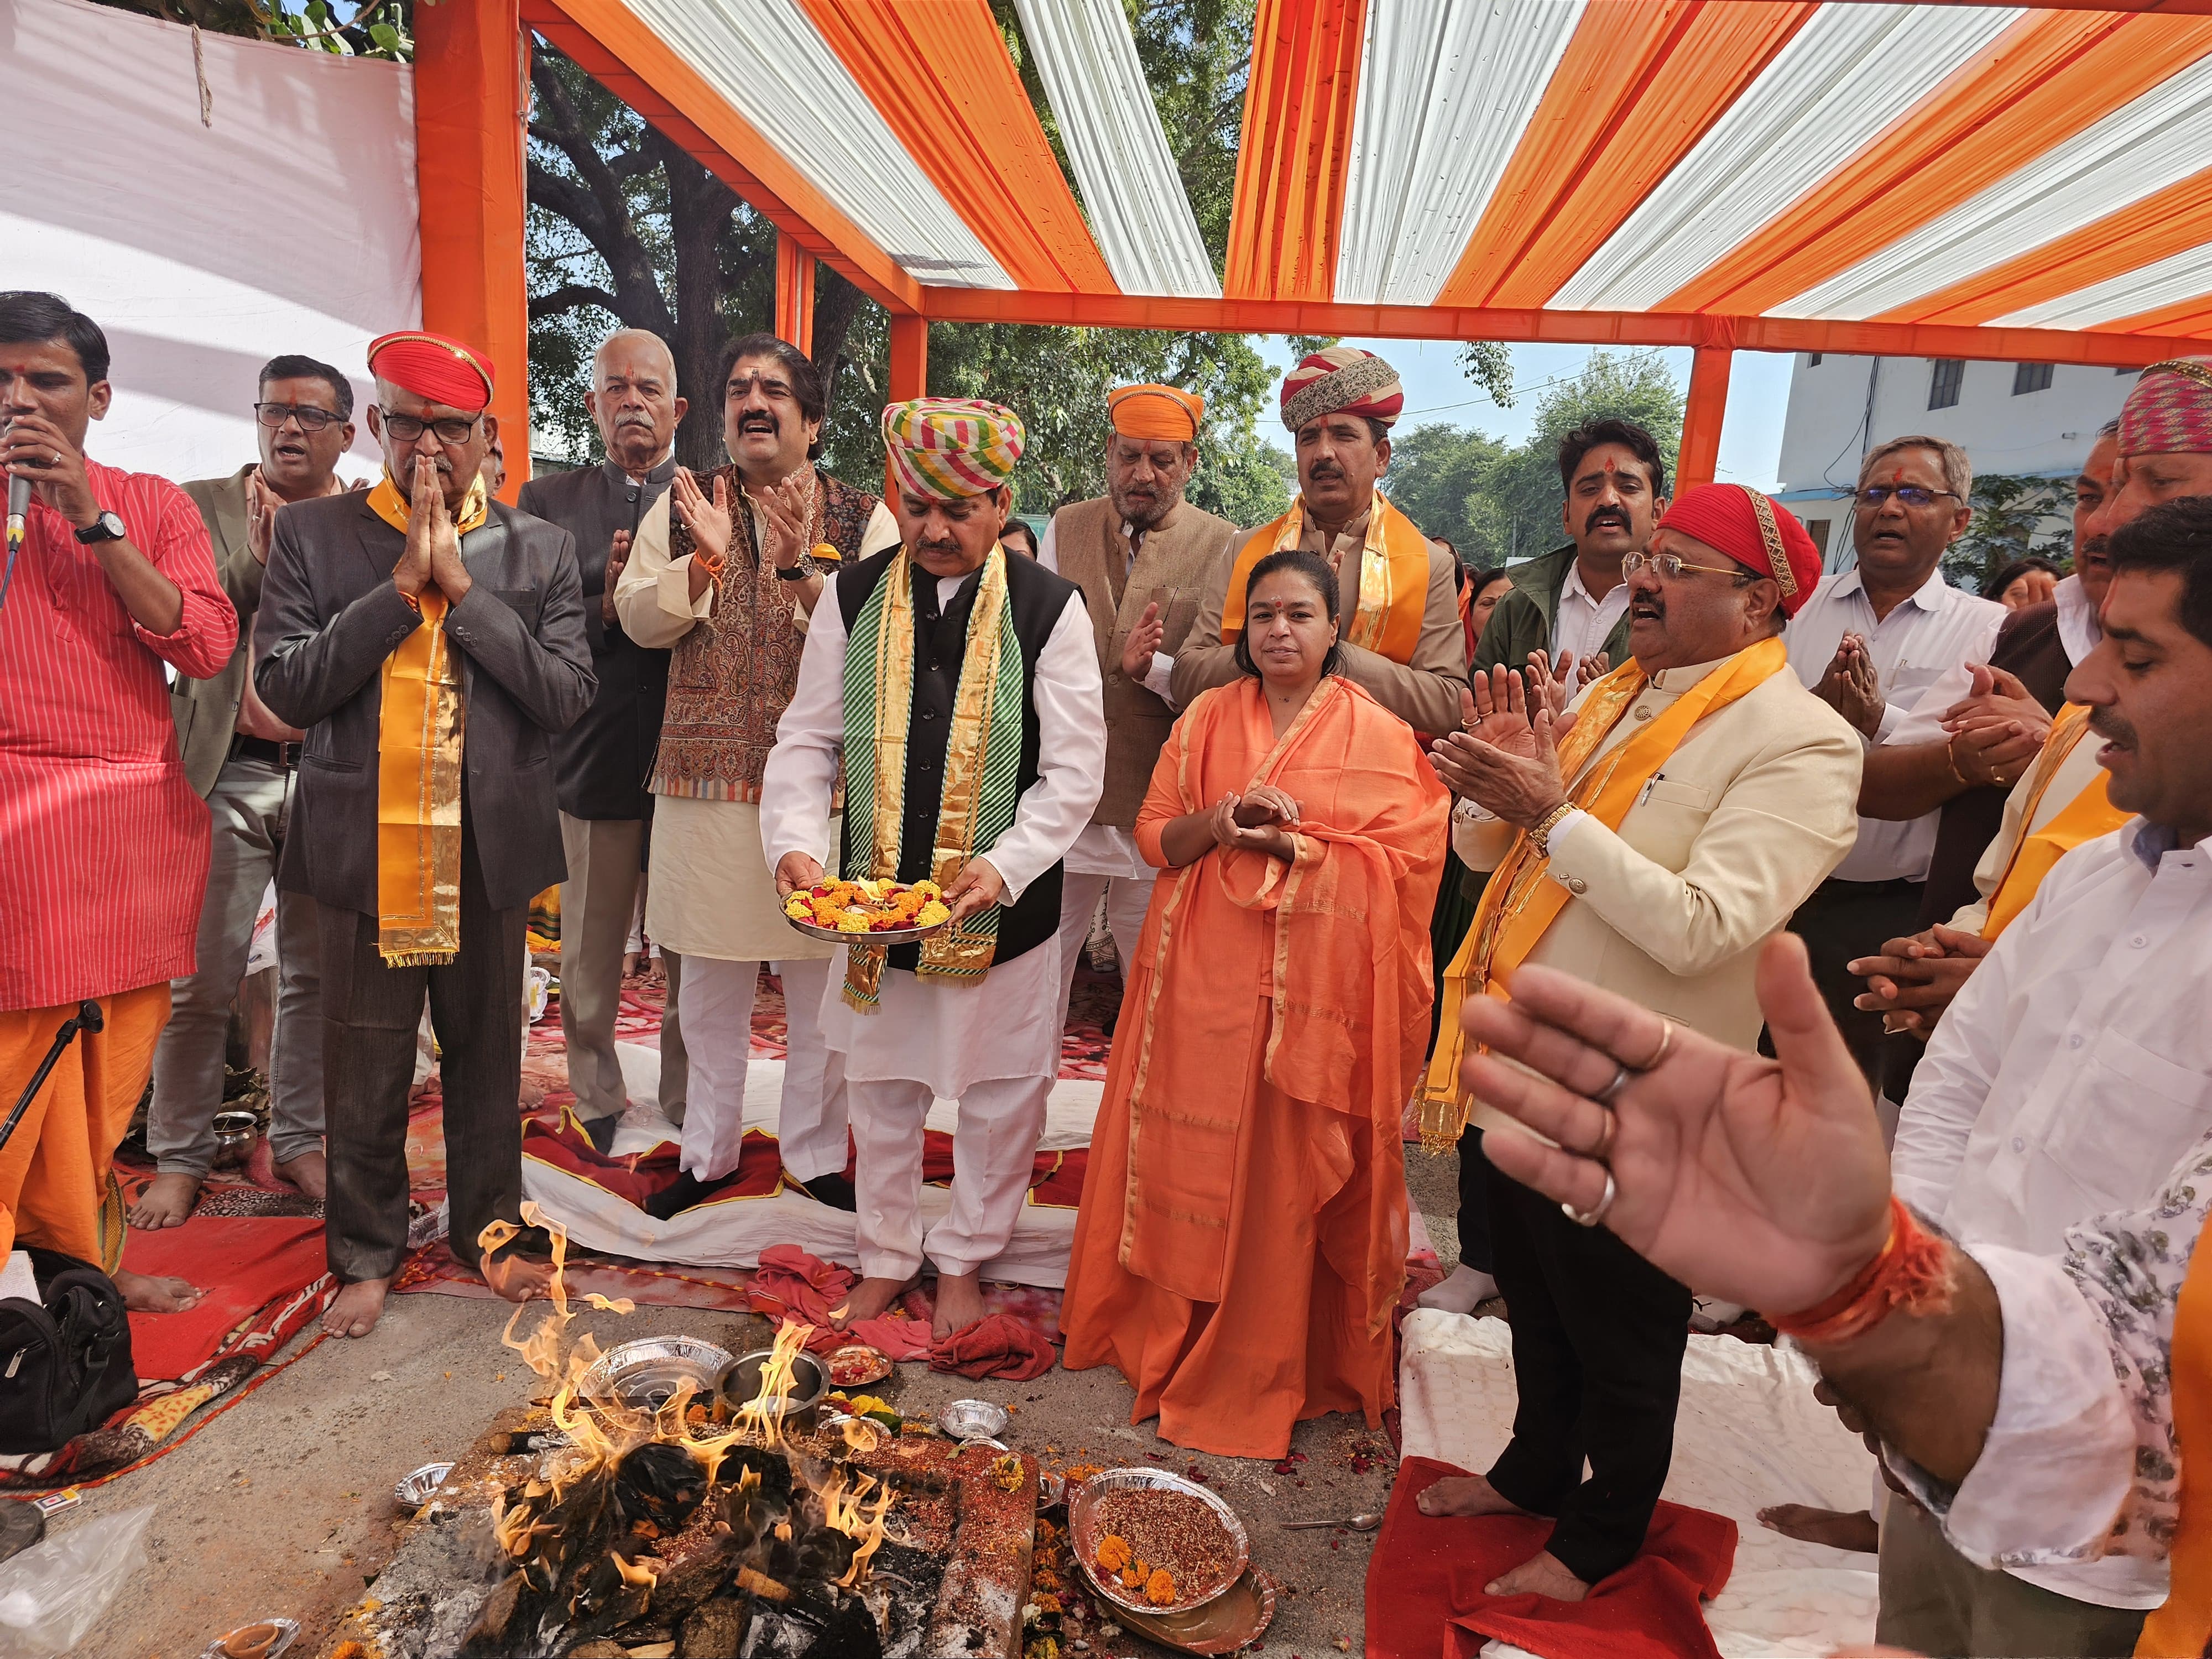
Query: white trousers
x=1126 y=901
x=994 y=1154
x=716 y=1002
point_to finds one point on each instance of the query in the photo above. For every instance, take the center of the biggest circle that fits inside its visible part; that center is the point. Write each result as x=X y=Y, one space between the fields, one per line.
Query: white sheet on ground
x=1748 y=1434
x=734 y=1234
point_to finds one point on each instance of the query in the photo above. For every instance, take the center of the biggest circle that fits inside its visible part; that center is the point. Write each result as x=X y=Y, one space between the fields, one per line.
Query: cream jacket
x=1753 y=808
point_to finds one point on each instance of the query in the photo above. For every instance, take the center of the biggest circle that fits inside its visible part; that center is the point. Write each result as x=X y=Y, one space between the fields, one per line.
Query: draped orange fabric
x=1243 y=1236
x=2087 y=816
x=1394 y=579
x=2184 y=1624
x=1295 y=150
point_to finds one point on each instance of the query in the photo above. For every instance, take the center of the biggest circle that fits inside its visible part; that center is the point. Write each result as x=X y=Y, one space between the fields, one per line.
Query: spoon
x=1356 y=1523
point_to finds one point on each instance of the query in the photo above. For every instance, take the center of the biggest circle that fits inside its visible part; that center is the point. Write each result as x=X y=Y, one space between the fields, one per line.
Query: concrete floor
x=283 y=1506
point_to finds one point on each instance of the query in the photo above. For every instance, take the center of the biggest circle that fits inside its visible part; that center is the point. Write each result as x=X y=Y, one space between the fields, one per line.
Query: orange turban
x=432 y=366
x=1156 y=411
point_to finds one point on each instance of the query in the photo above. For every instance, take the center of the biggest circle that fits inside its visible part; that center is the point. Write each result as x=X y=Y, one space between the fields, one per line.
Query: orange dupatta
x=2183 y=1623
x=1394 y=579
x=418 y=769
x=1518 y=904
x=2087 y=816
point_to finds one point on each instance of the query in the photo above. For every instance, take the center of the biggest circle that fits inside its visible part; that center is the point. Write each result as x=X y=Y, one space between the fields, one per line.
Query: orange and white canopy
x=1947 y=180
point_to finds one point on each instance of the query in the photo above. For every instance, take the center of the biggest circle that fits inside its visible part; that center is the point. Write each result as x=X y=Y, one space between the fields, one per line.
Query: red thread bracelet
x=1911 y=1272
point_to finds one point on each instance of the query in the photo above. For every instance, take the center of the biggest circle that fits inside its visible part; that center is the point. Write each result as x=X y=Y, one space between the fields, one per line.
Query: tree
x=2015 y=516
x=379 y=28
x=1523 y=492
x=1438 y=476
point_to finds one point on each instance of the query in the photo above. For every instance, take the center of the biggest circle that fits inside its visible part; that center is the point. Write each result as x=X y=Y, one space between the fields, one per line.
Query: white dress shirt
x=1932 y=629
x=1009 y=1024
x=2072 y=1071
x=2079 y=632
x=1582 y=623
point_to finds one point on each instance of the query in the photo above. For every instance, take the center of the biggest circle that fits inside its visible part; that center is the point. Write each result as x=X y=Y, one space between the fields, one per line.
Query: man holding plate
x=963 y=688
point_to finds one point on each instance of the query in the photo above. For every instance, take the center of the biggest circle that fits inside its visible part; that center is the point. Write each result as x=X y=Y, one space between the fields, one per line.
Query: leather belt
x=285 y=755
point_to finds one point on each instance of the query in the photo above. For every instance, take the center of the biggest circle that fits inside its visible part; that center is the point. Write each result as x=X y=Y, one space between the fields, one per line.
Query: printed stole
x=983 y=761
x=1394 y=579
x=1519 y=904
x=418 y=769
x=2087 y=816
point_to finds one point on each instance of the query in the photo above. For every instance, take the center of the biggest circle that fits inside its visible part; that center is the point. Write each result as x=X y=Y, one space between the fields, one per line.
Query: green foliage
x=1496 y=503
x=1489 y=364
x=382 y=28
x=2015 y=516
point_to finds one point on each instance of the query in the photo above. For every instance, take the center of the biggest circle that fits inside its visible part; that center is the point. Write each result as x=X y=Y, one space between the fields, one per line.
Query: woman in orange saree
x=1242 y=1237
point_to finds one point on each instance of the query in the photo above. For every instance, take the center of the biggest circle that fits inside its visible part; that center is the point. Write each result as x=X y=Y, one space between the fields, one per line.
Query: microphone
x=19 y=505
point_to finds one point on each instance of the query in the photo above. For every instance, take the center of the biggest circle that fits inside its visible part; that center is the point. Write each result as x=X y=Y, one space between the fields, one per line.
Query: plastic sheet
x=54 y=1592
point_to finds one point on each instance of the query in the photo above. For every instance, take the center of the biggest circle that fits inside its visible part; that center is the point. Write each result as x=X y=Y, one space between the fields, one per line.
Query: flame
x=643 y=1573
x=860 y=1435
x=850 y=1510
x=763 y=1414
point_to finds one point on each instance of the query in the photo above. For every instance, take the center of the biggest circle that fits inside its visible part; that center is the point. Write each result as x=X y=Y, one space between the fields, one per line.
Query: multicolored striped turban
x=433 y=367
x=2170 y=410
x=1164 y=412
x=1341 y=379
x=951 y=447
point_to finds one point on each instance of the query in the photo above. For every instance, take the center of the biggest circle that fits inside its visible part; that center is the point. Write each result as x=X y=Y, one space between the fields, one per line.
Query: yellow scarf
x=1394 y=579
x=2087 y=816
x=1518 y=904
x=418 y=771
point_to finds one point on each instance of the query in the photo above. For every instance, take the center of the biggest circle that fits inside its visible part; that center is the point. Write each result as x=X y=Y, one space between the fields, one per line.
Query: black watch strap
x=107 y=527
x=800 y=572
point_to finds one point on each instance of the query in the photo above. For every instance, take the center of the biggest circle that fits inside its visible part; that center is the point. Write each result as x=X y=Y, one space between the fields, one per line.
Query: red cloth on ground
x=251 y=1267
x=795 y=1284
x=1425 y=1598
x=998 y=1345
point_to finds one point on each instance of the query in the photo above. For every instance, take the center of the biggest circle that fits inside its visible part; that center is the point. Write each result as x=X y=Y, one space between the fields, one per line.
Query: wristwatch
x=800 y=572
x=1540 y=831
x=107 y=527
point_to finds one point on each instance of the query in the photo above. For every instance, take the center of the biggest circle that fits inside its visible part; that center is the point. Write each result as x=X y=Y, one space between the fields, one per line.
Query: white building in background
x=2037 y=419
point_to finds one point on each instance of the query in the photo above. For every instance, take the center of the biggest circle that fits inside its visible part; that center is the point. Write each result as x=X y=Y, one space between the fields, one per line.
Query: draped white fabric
x=1131 y=191
x=1445 y=93
x=2180 y=276
x=767 y=58
x=1842 y=78
x=2151 y=142
x=159 y=227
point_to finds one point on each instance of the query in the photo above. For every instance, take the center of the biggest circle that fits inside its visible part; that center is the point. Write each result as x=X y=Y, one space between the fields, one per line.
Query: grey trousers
x=370 y=1015
x=597 y=900
x=1934 y=1600
x=248 y=807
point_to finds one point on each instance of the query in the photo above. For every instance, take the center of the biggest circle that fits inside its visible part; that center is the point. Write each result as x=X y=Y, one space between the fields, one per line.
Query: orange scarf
x=418 y=771
x=1394 y=579
x=1518 y=904
x=2183 y=1623
x=2087 y=816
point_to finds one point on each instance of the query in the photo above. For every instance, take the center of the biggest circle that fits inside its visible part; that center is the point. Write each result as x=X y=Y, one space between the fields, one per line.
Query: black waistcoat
x=940 y=645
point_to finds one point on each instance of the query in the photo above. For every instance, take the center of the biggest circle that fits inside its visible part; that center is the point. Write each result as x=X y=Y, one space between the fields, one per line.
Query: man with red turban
x=1402 y=639
x=1647 y=840
x=1141 y=554
x=430 y=641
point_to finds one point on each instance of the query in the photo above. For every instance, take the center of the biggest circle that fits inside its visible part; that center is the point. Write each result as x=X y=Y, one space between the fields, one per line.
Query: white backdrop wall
x=286 y=222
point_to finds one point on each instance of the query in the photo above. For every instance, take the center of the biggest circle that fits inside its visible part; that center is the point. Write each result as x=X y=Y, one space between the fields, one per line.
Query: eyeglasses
x=311 y=419
x=1874 y=497
x=1672 y=564
x=407 y=429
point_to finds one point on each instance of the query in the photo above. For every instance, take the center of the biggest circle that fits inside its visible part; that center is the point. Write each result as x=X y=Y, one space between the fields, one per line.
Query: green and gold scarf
x=983 y=761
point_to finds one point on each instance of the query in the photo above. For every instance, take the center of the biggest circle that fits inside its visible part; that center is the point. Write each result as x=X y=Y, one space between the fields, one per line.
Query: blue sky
x=1436 y=392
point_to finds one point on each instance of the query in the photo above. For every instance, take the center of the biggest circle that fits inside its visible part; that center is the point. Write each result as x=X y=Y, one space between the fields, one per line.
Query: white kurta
x=947 y=1034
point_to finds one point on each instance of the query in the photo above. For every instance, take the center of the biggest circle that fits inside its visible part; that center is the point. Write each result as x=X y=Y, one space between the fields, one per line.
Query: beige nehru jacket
x=1423 y=693
x=1747 y=816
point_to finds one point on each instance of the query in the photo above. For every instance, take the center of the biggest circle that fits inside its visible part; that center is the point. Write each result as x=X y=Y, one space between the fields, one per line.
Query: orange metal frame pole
x=471 y=73
x=794 y=293
x=909 y=371
x=1701 y=417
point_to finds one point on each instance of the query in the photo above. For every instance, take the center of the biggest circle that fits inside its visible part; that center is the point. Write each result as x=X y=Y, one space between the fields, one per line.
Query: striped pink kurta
x=103 y=845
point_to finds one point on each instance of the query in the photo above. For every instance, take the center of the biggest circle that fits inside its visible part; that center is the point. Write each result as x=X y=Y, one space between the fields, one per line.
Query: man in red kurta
x=103 y=844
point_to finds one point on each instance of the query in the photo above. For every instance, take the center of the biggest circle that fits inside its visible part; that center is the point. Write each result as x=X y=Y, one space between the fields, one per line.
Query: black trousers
x=1598 y=1338
x=370 y=1013
x=1842 y=922
x=1474 y=1247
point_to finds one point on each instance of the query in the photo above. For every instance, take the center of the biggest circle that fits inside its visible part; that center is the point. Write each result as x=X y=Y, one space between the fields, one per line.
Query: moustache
x=2112 y=727
x=759 y=420
x=944 y=550
x=1605 y=515
x=635 y=417
x=2095 y=547
x=1325 y=469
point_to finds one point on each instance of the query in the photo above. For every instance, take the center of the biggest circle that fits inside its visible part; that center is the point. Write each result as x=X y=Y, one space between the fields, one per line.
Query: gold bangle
x=1951 y=760
x=1540 y=831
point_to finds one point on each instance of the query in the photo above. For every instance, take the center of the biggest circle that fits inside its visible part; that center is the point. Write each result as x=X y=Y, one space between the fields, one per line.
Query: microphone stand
x=88 y=1017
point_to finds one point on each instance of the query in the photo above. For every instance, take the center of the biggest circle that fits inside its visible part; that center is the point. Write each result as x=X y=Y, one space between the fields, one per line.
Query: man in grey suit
x=240 y=758
x=602 y=761
x=347 y=591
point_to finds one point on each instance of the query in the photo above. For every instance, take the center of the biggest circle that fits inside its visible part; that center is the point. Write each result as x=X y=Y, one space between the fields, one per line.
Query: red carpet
x=245 y=1265
x=1425 y=1598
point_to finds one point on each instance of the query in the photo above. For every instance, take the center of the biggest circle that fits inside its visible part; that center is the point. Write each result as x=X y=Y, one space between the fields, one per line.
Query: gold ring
x=1603 y=1150
x=1666 y=1041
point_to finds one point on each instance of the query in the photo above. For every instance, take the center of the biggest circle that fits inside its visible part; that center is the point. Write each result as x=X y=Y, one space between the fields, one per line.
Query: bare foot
x=870 y=1299
x=1464 y=1494
x=167 y=1202
x=1842 y=1529
x=144 y=1295
x=309 y=1172
x=959 y=1304
x=356 y=1308
x=1540 y=1575
x=517 y=1277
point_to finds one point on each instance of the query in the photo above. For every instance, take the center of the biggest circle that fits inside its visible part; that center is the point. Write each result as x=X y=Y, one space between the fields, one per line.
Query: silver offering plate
x=645 y=1375
x=888 y=936
x=418 y=1486
x=1083 y=1533
x=973 y=1419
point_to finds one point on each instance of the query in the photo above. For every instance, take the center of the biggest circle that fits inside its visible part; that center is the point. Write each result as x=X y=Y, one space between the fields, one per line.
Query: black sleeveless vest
x=940 y=645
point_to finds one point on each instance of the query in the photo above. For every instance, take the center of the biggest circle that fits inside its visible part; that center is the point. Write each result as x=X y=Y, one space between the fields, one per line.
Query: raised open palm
x=1495 y=709
x=1760 y=1180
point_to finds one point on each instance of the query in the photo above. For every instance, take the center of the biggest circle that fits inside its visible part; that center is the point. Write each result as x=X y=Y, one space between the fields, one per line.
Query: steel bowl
x=798 y=1410
x=645 y=1375
x=418 y=1486
x=973 y=1419
x=1084 y=1534
x=235 y=1133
